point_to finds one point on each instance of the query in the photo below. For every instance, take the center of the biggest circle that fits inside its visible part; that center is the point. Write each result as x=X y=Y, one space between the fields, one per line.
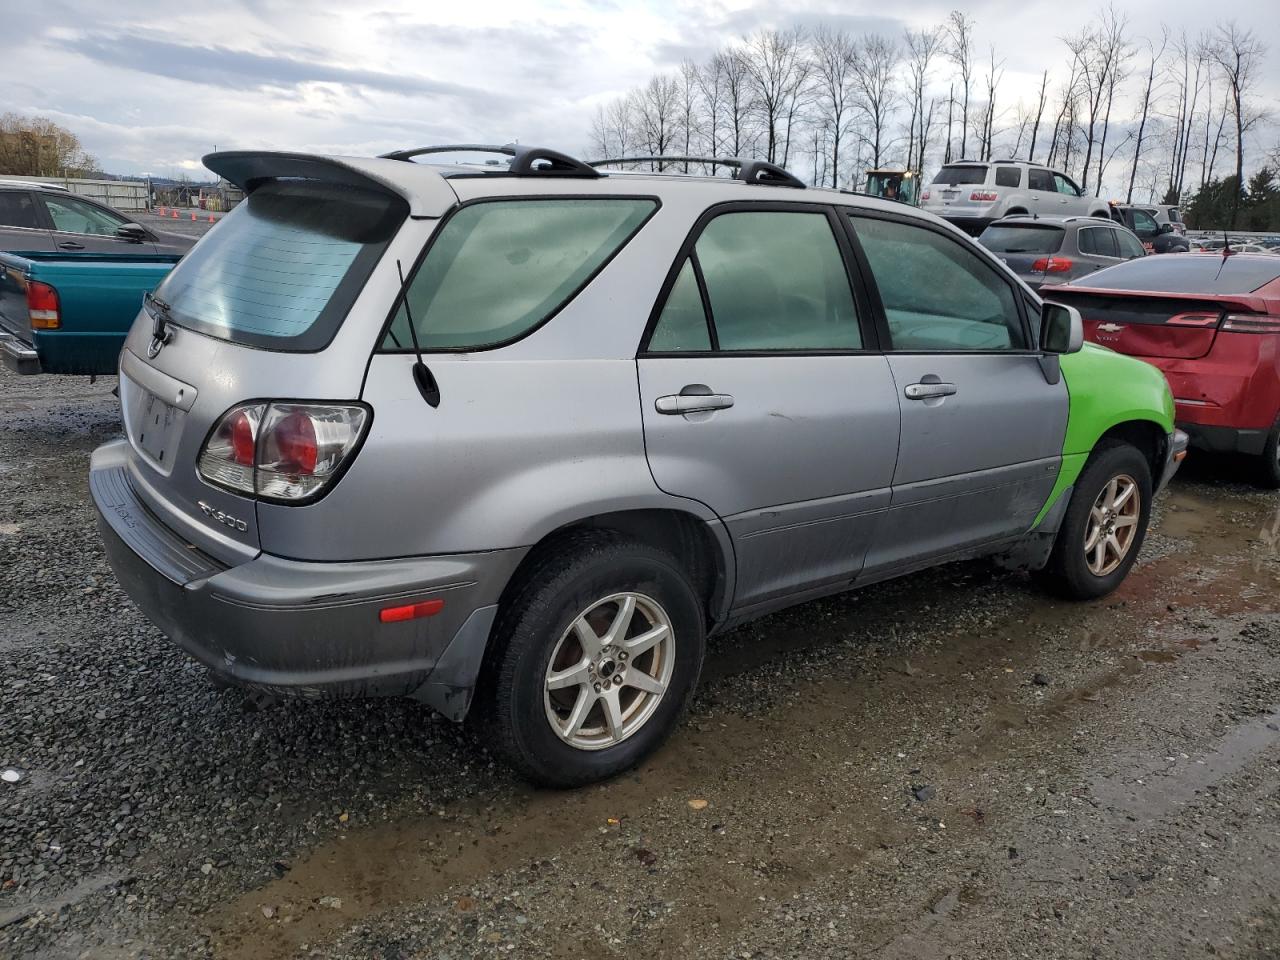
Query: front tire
x=596 y=656
x=1104 y=526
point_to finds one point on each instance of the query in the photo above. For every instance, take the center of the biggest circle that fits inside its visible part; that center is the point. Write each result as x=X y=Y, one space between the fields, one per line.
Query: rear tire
x=1079 y=567
x=1269 y=462
x=572 y=697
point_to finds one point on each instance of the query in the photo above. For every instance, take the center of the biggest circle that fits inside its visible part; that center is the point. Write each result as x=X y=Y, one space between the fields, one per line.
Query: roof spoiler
x=427 y=193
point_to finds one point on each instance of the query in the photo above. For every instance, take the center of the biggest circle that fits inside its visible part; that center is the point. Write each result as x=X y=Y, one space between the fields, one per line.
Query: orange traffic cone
x=211 y=218
x=161 y=211
x=175 y=214
x=193 y=216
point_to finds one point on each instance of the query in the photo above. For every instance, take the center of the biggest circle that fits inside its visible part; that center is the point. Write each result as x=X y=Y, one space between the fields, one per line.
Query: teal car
x=70 y=312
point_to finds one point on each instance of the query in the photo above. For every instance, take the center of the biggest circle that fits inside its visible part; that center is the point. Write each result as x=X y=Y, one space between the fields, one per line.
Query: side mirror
x=1166 y=228
x=1061 y=329
x=133 y=232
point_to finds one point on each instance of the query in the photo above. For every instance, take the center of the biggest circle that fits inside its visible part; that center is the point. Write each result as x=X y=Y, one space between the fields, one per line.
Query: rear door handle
x=925 y=391
x=680 y=403
x=71 y=245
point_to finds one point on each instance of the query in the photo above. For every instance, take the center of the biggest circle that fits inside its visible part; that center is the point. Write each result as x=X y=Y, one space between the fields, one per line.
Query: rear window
x=1028 y=238
x=1175 y=216
x=282 y=269
x=499 y=268
x=1008 y=176
x=968 y=173
x=1186 y=273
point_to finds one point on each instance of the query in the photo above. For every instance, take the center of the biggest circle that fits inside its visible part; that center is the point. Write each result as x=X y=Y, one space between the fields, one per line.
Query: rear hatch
x=260 y=309
x=1028 y=248
x=953 y=187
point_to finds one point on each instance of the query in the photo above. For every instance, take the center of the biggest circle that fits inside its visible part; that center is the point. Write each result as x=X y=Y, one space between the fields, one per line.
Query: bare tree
x=738 y=101
x=874 y=92
x=38 y=147
x=657 y=110
x=1095 y=52
x=960 y=50
x=987 y=117
x=833 y=53
x=711 y=88
x=688 y=106
x=1113 y=36
x=1035 y=127
x=1238 y=53
x=1153 y=66
x=922 y=47
x=775 y=66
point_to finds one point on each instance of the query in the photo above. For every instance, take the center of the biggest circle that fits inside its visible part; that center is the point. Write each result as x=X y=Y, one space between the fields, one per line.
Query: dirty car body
x=703 y=399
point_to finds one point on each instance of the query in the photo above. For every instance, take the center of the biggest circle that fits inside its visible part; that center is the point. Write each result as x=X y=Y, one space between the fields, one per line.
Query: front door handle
x=71 y=245
x=689 y=401
x=926 y=391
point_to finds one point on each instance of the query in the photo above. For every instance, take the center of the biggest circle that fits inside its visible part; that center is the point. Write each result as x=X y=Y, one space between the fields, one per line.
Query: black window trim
x=873 y=290
x=861 y=303
x=379 y=350
x=37 y=207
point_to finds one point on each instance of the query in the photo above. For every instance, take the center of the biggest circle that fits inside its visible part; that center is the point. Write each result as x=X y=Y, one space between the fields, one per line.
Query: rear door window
x=1041 y=180
x=498 y=269
x=1129 y=245
x=283 y=268
x=1065 y=185
x=775 y=281
x=1099 y=241
x=18 y=210
x=1008 y=176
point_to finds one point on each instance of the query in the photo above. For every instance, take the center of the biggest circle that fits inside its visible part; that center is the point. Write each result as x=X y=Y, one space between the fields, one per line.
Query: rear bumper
x=1218 y=439
x=18 y=356
x=302 y=627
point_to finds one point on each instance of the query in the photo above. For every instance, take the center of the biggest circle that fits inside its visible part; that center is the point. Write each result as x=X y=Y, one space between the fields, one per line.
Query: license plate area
x=154 y=425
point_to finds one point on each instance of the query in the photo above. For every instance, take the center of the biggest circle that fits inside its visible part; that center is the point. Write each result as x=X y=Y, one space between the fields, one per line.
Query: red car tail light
x=987 y=195
x=1052 y=265
x=1193 y=320
x=1250 y=323
x=285 y=452
x=42 y=306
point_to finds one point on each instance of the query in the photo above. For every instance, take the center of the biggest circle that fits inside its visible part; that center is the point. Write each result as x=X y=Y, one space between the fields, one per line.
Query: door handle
x=71 y=245
x=681 y=403
x=926 y=391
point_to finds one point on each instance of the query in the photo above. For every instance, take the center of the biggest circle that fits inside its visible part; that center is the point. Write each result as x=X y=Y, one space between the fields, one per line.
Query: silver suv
x=526 y=434
x=972 y=194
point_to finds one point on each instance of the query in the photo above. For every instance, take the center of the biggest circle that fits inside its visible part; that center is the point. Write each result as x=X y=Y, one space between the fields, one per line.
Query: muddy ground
x=951 y=765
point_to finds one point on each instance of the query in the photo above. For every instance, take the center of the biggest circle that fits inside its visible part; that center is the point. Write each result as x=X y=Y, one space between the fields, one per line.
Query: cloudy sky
x=150 y=87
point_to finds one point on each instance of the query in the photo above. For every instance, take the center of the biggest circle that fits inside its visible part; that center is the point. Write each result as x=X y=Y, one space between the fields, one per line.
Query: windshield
x=284 y=267
x=968 y=173
x=1187 y=273
x=1023 y=238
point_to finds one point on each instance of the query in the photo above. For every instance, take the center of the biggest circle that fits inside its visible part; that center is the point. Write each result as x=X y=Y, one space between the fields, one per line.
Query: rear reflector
x=42 y=306
x=1052 y=265
x=1247 y=323
x=412 y=611
x=987 y=195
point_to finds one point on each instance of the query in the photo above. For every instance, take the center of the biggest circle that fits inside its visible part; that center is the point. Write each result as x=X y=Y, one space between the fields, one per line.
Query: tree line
x=1143 y=118
x=38 y=147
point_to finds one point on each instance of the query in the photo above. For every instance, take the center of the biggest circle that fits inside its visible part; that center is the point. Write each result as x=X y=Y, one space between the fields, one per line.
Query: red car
x=1212 y=325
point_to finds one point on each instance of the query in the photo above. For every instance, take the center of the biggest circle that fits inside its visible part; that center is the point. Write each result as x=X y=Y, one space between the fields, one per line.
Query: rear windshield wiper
x=161 y=316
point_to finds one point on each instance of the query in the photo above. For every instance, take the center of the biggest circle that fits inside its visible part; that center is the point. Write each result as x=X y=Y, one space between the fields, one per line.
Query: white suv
x=971 y=194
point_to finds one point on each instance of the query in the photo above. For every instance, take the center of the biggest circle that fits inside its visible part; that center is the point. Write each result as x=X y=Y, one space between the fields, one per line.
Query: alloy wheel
x=1113 y=525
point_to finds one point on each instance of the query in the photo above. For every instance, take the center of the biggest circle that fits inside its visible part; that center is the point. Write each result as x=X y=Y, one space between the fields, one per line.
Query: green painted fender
x=1106 y=389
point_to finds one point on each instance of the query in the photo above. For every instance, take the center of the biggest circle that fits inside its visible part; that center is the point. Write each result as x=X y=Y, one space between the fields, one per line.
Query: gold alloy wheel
x=1113 y=525
x=609 y=671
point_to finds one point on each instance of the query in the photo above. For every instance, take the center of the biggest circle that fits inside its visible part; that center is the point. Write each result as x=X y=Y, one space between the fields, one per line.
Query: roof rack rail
x=525 y=161
x=749 y=171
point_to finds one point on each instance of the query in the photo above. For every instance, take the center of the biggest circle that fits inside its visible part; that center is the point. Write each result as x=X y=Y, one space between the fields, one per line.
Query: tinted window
x=1144 y=225
x=76 y=216
x=938 y=294
x=1175 y=216
x=969 y=173
x=1129 y=245
x=776 y=281
x=283 y=268
x=1187 y=273
x=1064 y=185
x=500 y=268
x=1022 y=238
x=683 y=323
x=1008 y=176
x=1099 y=241
x=17 y=209
x=1040 y=180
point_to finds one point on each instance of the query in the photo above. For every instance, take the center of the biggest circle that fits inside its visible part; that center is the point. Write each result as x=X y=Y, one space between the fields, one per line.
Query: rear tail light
x=1052 y=265
x=1247 y=323
x=984 y=195
x=287 y=452
x=1202 y=320
x=42 y=306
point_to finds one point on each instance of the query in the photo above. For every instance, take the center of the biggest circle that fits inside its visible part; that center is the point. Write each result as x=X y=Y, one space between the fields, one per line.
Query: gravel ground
x=951 y=765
